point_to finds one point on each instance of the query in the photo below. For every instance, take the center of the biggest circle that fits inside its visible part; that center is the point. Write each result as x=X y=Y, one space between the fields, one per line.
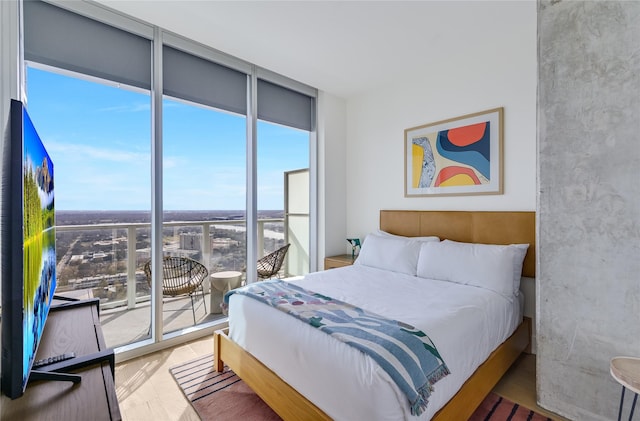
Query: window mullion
x=252 y=194
x=156 y=189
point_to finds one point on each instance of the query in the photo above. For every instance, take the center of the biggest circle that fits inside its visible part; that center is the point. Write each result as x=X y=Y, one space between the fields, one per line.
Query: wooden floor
x=146 y=390
x=519 y=385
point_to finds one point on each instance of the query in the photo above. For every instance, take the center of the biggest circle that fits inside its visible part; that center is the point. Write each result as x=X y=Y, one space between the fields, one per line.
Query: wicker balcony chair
x=270 y=265
x=181 y=276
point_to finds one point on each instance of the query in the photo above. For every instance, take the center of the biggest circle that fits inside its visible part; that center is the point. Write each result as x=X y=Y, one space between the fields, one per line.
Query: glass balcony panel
x=228 y=246
x=188 y=306
x=94 y=262
x=106 y=261
x=297 y=221
x=297 y=262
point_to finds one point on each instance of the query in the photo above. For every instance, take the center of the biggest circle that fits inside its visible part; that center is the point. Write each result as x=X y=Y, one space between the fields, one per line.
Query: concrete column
x=588 y=277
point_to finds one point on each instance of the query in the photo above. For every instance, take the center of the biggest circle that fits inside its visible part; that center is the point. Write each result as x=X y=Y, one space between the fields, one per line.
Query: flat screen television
x=28 y=248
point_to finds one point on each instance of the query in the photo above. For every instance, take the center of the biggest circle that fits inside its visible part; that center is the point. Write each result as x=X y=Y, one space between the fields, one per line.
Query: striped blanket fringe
x=424 y=392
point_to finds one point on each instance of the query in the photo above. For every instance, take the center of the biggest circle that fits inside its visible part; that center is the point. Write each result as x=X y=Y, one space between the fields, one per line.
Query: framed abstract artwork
x=459 y=156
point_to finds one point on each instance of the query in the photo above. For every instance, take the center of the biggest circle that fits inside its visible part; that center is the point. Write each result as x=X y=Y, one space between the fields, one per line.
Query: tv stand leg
x=63 y=298
x=51 y=375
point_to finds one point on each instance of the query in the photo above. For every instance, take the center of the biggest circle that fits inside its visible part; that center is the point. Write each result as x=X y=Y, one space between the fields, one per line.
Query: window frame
x=160 y=37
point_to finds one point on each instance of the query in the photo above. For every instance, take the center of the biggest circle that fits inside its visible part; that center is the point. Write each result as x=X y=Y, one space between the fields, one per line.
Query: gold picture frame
x=458 y=156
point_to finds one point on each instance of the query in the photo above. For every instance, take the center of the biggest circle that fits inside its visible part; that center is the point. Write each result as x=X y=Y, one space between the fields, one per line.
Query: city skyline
x=91 y=217
x=99 y=138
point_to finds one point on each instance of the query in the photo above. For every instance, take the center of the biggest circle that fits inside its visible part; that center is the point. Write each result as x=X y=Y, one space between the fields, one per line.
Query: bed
x=265 y=367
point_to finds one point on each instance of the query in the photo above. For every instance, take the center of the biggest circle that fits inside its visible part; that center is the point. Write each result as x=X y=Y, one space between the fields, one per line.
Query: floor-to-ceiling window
x=282 y=150
x=284 y=141
x=95 y=104
x=204 y=196
x=98 y=137
x=204 y=168
x=88 y=89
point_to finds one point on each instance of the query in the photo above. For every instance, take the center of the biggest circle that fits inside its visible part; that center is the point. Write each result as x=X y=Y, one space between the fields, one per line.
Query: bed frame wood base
x=482 y=227
x=291 y=405
x=286 y=401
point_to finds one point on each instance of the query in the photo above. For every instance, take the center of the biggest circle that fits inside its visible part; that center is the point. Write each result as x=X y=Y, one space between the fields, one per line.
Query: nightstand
x=342 y=260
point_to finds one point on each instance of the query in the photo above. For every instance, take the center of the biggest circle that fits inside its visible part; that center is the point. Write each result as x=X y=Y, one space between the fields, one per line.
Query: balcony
x=105 y=261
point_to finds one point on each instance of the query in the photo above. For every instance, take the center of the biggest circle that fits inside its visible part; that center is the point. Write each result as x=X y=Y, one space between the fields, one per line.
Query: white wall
x=9 y=57
x=495 y=69
x=502 y=73
x=332 y=209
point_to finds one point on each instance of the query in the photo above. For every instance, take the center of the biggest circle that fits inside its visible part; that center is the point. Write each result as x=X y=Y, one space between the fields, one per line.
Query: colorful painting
x=454 y=157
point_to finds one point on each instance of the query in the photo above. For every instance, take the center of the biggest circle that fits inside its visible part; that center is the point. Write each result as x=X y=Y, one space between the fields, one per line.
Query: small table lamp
x=355 y=245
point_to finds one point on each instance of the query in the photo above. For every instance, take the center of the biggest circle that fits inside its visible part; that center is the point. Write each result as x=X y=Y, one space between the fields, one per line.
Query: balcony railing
x=179 y=238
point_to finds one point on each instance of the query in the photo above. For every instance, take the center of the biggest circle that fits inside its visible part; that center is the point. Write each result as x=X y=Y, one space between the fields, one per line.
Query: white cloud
x=141 y=106
x=91 y=152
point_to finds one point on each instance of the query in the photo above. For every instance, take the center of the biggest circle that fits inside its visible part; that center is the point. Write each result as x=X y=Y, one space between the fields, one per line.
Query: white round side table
x=626 y=371
x=221 y=283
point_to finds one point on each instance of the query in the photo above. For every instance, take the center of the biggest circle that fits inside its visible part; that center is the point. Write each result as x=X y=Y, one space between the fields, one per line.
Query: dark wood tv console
x=72 y=326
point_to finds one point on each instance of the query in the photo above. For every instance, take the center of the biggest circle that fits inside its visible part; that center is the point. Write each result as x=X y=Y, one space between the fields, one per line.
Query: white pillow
x=393 y=254
x=490 y=266
x=389 y=235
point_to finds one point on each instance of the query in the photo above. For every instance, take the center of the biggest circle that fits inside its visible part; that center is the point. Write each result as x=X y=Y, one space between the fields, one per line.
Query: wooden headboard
x=469 y=227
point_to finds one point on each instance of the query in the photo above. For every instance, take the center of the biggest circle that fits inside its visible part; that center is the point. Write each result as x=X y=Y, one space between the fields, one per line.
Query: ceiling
x=343 y=47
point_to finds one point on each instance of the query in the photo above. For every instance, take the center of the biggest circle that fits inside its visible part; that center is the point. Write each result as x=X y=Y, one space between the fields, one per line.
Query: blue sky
x=99 y=139
x=34 y=156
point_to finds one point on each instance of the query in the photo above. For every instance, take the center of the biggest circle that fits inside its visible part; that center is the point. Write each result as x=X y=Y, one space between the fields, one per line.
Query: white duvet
x=465 y=323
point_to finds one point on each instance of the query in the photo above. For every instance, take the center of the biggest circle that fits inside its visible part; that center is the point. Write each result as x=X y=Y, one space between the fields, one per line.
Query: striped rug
x=497 y=408
x=225 y=397
x=219 y=396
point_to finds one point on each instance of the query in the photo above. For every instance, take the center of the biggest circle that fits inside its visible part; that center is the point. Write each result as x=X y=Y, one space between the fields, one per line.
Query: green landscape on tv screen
x=39 y=236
